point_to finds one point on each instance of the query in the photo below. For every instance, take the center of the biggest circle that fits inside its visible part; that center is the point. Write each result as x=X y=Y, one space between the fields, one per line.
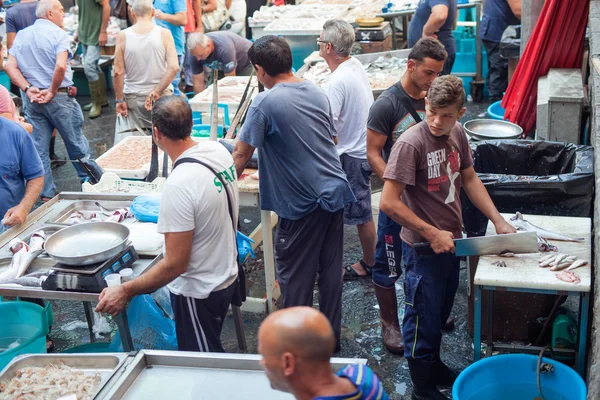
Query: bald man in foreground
x=296 y=344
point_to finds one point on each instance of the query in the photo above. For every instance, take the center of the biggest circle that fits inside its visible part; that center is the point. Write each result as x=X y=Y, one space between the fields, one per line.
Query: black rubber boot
x=445 y=376
x=423 y=375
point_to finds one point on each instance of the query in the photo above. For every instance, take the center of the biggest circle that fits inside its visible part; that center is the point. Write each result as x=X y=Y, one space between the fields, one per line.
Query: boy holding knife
x=427 y=168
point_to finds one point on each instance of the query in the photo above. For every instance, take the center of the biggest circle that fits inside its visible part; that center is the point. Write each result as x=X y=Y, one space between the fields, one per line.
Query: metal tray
x=86 y=205
x=189 y=373
x=105 y=364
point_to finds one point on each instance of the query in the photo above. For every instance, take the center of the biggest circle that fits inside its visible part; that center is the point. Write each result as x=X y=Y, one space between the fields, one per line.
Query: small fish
x=568 y=276
x=499 y=263
x=507 y=253
x=559 y=258
x=548 y=257
x=561 y=266
x=549 y=261
x=25 y=281
x=521 y=224
x=577 y=264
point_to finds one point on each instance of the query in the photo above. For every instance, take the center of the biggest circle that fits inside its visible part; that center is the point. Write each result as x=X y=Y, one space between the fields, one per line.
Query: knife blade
x=518 y=243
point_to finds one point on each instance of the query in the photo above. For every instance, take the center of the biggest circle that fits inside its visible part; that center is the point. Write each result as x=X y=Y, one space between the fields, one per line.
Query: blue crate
x=466 y=49
x=5 y=80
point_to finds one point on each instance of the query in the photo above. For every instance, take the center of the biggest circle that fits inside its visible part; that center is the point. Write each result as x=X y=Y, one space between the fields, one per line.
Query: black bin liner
x=533 y=177
x=510 y=43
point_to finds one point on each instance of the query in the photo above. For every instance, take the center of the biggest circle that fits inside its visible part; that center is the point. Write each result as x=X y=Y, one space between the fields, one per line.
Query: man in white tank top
x=145 y=64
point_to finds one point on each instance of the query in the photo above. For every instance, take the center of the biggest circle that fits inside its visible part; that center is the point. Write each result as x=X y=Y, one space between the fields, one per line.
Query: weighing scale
x=89 y=278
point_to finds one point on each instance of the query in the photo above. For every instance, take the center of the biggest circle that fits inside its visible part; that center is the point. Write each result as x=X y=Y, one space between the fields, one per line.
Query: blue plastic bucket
x=513 y=377
x=495 y=111
x=26 y=324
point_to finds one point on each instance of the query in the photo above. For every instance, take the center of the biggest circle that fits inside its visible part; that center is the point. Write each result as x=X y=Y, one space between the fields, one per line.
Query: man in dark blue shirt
x=435 y=18
x=497 y=15
x=19 y=17
x=21 y=174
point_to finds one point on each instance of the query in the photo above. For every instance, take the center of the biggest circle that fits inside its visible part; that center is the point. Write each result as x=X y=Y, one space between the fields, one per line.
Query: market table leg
x=89 y=317
x=584 y=308
x=123 y=325
x=477 y=324
x=239 y=327
x=269 y=256
x=490 y=318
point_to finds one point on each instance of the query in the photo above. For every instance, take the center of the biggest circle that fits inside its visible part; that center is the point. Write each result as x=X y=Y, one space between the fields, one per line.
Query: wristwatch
x=120 y=101
x=26 y=88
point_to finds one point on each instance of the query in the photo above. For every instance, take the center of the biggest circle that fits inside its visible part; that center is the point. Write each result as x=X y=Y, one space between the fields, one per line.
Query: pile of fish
x=558 y=262
x=522 y=225
x=23 y=256
x=82 y=216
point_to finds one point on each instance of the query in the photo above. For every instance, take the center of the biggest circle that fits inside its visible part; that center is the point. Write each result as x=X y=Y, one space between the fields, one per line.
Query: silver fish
x=26 y=281
x=561 y=266
x=577 y=264
x=521 y=224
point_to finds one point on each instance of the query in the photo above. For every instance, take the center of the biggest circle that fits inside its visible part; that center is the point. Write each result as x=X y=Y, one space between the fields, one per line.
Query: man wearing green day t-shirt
x=91 y=33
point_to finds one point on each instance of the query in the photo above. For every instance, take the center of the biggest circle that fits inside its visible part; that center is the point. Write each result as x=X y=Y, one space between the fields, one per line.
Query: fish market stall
x=142 y=375
x=300 y=33
x=383 y=69
x=546 y=272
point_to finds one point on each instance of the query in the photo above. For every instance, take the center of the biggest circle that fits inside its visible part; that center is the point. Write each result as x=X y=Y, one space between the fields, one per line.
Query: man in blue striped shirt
x=296 y=344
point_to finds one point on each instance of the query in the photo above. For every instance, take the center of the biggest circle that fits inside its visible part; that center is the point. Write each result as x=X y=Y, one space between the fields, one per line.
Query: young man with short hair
x=426 y=170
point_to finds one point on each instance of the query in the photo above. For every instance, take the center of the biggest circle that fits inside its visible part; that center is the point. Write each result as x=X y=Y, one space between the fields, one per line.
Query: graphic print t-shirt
x=389 y=117
x=430 y=168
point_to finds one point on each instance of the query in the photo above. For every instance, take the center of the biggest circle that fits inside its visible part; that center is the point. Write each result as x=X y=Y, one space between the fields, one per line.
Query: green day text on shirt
x=406 y=122
x=228 y=175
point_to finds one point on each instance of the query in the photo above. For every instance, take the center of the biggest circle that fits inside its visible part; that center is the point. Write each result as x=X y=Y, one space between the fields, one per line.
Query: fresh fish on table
x=544 y=246
x=577 y=264
x=521 y=224
x=499 y=263
x=29 y=281
x=23 y=255
x=568 y=276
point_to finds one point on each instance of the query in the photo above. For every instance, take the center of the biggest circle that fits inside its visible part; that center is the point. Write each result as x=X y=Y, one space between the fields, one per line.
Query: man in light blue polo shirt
x=38 y=65
x=172 y=15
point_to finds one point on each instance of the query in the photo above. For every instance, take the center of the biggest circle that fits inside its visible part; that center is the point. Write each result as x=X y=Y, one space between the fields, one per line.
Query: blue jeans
x=388 y=252
x=91 y=58
x=63 y=114
x=177 y=79
x=430 y=284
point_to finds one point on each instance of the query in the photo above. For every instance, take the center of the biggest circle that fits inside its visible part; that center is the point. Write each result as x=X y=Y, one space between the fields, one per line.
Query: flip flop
x=350 y=274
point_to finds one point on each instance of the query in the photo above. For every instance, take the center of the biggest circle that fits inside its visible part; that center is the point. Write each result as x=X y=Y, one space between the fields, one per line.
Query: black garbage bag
x=533 y=177
x=510 y=43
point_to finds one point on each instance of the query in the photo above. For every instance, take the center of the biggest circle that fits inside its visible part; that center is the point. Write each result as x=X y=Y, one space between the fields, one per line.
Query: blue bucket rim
x=494 y=115
x=464 y=375
x=40 y=333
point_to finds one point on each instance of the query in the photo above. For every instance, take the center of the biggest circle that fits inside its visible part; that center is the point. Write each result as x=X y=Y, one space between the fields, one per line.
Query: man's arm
x=199 y=84
x=211 y=5
x=177 y=19
x=12 y=69
x=515 y=7
x=392 y=205
x=18 y=214
x=10 y=38
x=375 y=144
x=439 y=14
x=172 y=69
x=119 y=74
x=242 y=152
x=197 y=7
x=178 y=248
x=59 y=74
x=478 y=194
x=102 y=37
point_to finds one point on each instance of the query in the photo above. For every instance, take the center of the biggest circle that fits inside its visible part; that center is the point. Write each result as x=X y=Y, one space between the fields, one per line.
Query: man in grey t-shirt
x=224 y=51
x=301 y=178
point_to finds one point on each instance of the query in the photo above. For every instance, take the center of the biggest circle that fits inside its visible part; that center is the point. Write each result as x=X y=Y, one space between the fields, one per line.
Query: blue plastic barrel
x=495 y=111
x=513 y=376
x=25 y=326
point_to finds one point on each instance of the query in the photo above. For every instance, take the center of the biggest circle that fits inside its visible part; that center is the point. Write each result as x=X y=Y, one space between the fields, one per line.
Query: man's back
x=20 y=16
x=36 y=48
x=368 y=385
x=299 y=169
x=144 y=58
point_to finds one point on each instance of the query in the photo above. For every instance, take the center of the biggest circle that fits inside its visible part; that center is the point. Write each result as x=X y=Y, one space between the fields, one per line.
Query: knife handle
x=423 y=248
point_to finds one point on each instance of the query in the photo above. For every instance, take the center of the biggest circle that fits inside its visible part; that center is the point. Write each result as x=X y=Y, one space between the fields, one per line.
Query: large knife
x=517 y=243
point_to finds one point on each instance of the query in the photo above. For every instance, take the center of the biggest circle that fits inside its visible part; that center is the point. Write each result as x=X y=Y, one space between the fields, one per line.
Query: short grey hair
x=142 y=8
x=341 y=36
x=197 y=39
x=42 y=8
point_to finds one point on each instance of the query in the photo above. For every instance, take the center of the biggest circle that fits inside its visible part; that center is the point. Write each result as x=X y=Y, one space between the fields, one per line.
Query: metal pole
x=214 y=120
x=478 y=44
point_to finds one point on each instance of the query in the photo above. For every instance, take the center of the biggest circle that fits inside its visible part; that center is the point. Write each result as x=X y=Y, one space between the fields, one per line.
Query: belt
x=60 y=90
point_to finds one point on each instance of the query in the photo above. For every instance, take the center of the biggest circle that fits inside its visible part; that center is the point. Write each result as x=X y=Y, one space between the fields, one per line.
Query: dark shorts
x=358 y=171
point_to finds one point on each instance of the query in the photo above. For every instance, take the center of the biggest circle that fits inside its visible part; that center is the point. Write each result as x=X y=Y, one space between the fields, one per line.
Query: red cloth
x=556 y=42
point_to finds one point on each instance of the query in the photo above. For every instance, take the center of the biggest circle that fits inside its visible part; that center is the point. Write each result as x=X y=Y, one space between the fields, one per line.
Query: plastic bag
x=510 y=43
x=145 y=208
x=123 y=128
x=244 y=245
x=149 y=327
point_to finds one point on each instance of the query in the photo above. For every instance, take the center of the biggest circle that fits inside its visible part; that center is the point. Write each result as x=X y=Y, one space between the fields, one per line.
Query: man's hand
x=112 y=300
x=428 y=34
x=102 y=38
x=33 y=93
x=151 y=98
x=44 y=97
x=122 y=109
x=15 y=216
x=442 y=242
x=158 y=14
x=503 y=227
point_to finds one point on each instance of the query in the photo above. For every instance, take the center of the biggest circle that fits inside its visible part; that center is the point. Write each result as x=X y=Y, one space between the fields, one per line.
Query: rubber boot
x=103 y=98
x=96 y=109
x=388 y=313
x=445 y=376
x=423 y=375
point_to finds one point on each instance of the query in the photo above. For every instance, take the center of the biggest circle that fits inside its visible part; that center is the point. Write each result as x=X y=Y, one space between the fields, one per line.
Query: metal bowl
x=491 y=129
x=87 y=243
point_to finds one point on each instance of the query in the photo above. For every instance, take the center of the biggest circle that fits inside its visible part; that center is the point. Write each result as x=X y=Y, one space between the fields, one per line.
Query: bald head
x=303 y=331
x=51 y=10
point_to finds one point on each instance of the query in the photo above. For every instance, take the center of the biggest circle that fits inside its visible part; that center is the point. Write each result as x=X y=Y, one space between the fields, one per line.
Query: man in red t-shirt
x=428 y=166
x=194 y=24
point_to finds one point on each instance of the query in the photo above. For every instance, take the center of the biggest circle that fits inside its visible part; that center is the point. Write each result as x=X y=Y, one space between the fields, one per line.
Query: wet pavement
x=361 y=336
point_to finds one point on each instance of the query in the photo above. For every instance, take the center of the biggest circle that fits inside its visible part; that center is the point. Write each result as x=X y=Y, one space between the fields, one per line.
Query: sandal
x=49 y=345
x=350 y=274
